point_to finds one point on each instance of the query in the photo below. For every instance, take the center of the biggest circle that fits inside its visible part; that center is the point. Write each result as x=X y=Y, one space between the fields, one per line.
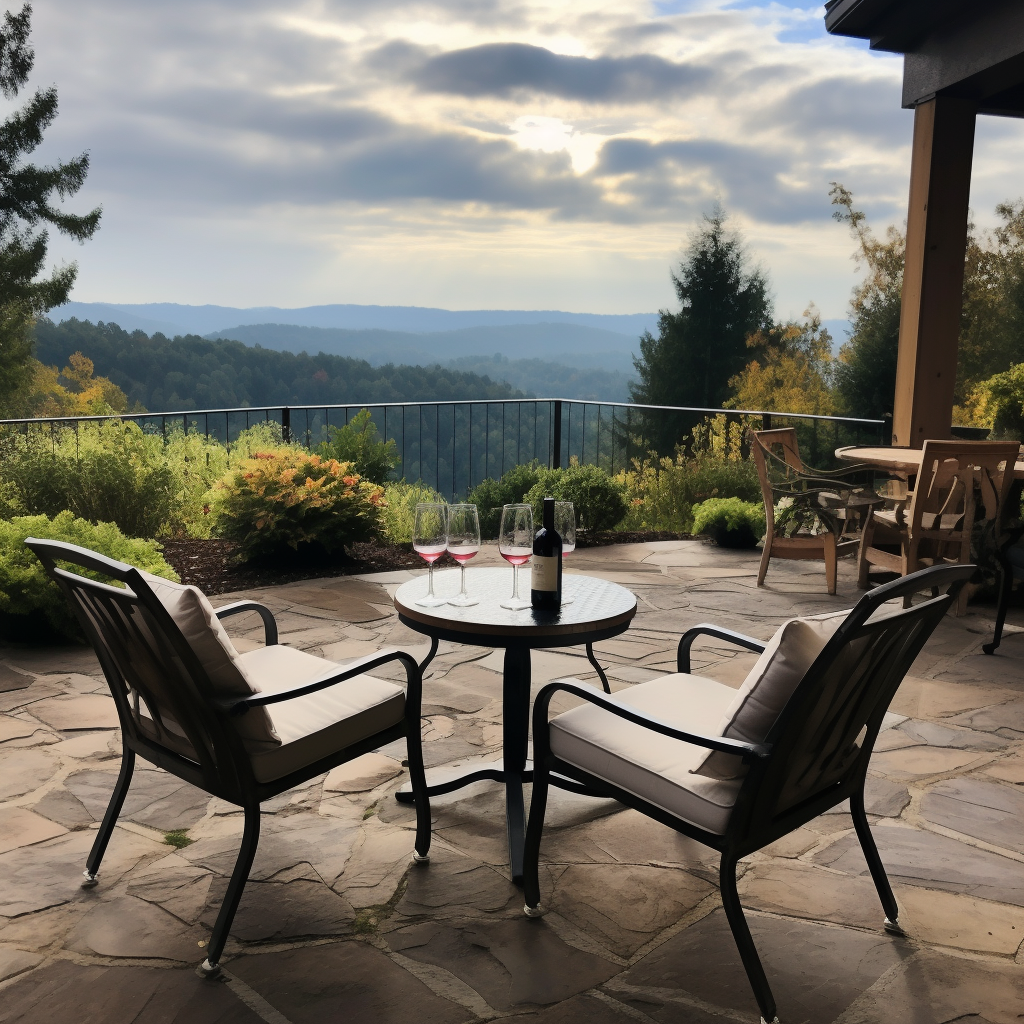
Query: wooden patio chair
x=243 y=727
x=934 y=526
x=738 y=769
x=834 y=499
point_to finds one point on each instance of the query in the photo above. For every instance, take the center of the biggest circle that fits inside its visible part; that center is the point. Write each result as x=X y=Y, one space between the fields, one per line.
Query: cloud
x=505 y=69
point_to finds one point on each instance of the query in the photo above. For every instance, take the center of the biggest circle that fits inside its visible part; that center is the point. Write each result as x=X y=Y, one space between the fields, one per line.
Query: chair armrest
x=706 y=629
x=356 y=668
x=616 y=707
x=269 y=622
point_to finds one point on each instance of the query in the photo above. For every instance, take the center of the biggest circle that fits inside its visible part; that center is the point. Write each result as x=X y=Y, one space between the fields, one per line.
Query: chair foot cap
x=537 y=911
x=91 y=879
x=420 y=858
x=774 y=1020
x=208 y=970
x=893 y=927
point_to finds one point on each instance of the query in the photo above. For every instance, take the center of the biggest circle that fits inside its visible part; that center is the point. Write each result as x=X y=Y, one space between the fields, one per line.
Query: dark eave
x=893 y=25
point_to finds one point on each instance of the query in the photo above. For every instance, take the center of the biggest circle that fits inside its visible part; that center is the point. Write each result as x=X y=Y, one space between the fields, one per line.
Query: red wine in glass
x=515 y=545
x=430 y=541
x=463 y=544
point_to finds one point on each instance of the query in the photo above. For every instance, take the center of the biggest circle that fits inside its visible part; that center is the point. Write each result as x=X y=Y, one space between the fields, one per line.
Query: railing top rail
x=177 y=413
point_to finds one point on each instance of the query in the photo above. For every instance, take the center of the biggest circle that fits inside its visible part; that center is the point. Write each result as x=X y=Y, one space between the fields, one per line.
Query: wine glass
x=565 y=527
x=463 y=544
x=515 y=544
x=429 y=541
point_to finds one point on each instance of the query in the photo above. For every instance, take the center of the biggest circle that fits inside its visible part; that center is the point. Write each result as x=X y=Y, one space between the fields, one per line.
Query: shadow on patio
x=336 y=925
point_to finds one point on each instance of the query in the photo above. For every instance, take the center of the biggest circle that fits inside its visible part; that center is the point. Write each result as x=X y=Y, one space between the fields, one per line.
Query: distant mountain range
x=171 y=318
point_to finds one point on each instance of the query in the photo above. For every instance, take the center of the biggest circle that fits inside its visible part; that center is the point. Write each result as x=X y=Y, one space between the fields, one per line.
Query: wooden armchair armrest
x=608 y=702
x=707 y=629
x=269 y=622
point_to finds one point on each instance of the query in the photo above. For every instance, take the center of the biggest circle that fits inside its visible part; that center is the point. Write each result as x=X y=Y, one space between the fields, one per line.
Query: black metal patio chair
x=243 y=727
x=737 y=770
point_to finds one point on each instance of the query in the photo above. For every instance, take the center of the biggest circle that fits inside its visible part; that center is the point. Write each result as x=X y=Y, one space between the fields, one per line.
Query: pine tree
x=27 y=196
x=700 y=348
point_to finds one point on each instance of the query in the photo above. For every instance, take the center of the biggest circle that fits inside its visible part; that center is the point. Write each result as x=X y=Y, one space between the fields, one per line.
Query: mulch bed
x=211 y=566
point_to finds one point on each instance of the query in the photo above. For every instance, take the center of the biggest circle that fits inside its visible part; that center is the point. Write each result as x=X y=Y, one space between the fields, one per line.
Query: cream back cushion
x=195 y=617
x=768 y=687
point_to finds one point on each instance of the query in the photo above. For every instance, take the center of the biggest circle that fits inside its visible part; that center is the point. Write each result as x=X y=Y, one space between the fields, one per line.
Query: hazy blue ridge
x=172 y=318
x=190 y=372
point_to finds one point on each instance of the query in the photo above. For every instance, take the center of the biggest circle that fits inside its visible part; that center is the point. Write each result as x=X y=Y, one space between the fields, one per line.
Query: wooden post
x=933 y=278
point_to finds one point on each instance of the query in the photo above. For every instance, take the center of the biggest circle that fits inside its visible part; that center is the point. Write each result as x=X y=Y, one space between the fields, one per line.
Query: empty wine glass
x=565 y=527
x=429 y=541
x=515 y=544
x=463 y=544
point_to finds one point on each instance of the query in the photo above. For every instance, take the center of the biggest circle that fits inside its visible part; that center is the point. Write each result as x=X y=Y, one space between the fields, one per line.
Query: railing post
x=556 y=454
x=286 y=424
x=766 y=421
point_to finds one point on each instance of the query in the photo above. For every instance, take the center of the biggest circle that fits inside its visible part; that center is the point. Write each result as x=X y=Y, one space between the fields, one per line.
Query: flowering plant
x=289 y=498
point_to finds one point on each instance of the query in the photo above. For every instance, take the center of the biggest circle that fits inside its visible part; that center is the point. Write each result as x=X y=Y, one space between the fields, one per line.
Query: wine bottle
x=546 y=577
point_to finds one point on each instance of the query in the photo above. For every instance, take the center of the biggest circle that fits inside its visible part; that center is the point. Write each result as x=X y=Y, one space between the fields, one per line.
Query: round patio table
x=599 y=610
x=900 y=460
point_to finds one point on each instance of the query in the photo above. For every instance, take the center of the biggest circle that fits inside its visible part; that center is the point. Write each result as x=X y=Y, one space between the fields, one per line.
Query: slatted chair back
x=767 y=445
x=165 y=700
x=822 y=741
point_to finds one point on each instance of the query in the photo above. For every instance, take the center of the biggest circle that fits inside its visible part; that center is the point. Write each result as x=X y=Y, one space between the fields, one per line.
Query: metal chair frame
x=809 y=762
x=145 y=657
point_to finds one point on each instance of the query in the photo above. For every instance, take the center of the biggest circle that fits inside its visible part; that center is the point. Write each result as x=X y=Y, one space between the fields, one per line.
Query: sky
x=468 y=154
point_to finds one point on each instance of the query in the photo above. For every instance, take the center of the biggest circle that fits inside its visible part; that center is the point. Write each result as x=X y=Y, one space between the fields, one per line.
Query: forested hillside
x=193 y=373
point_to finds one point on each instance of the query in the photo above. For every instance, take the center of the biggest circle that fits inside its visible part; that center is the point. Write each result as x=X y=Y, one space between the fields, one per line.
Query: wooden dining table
x=899 y=460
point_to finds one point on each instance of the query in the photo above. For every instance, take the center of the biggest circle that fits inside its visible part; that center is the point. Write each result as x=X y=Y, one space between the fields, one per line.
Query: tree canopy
x=700 y=348
x=28 y=195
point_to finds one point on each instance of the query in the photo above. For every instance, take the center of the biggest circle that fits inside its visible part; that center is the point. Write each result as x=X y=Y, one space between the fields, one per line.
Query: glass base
x=431 y=602
x=463 y=601
x=516 y=604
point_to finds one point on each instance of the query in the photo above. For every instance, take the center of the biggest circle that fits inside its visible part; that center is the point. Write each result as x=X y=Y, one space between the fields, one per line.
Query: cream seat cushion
x=320 y=723
x=655 y=768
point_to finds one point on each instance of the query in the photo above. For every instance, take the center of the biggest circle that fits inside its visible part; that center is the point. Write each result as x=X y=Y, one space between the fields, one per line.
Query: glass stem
x=515 y=582
x=430 y=579
x=462 y=589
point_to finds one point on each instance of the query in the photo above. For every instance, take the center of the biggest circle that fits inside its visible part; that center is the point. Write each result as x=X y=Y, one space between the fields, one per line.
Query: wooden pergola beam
x=933 y=278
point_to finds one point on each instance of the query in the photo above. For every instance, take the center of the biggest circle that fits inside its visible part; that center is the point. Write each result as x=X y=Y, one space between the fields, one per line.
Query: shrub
x=359 y=443
x=1002 y=403
x=490 y=495
x=26 y=590
x=398 y=513
x=289 y=498
x=599 y=501
x=662 y=493
x=731 y=522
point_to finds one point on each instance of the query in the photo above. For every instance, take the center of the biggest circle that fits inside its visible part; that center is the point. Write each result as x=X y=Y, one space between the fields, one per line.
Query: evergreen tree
x=700 y=348
x=27 y=195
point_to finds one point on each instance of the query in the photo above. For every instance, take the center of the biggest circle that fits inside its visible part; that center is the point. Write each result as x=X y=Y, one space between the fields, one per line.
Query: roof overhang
x=969 y=50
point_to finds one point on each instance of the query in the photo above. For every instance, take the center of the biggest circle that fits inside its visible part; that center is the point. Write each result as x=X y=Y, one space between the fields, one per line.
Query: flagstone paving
x=336 y=925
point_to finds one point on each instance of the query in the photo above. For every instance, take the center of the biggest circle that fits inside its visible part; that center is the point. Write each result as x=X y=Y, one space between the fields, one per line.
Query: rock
x=12 y=678
x=938 y=862
x=14 y=961
x=1003 y=718
x=64 y=808
x=176 y=886
x=81 y=711
x=960 y=921
x=815 y=971
x=348 y=981
x=20 y=827
x=454 y=884
x=378 y=862
x=16 y=728
x=951 y=736
x=154 y=798
x=285 y=911
x=22 y=771
x=129 y=927
x=362 y=774
x=985 y=810
x=912 y=763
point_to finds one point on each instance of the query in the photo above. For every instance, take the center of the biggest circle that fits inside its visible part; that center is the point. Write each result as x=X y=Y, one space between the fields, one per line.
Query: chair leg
x=236 y=884
x=744 y=942
x=831 y=562
x=863 y=565
x=875 y=866
x=766 y=557
x=418 y=779
x=1005 y=586
x=534 y=830
x=99 y=846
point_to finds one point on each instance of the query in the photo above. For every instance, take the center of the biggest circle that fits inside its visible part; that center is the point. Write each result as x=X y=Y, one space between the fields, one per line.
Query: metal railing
x=453 y=445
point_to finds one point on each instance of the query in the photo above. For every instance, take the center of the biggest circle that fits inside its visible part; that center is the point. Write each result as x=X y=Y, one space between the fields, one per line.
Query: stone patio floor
x=335 y=924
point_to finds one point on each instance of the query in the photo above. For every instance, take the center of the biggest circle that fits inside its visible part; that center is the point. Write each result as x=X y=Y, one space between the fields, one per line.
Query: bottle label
x=545 y=573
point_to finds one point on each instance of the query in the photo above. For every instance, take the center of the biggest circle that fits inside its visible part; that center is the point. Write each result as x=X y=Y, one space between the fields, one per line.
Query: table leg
x=515 y=739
